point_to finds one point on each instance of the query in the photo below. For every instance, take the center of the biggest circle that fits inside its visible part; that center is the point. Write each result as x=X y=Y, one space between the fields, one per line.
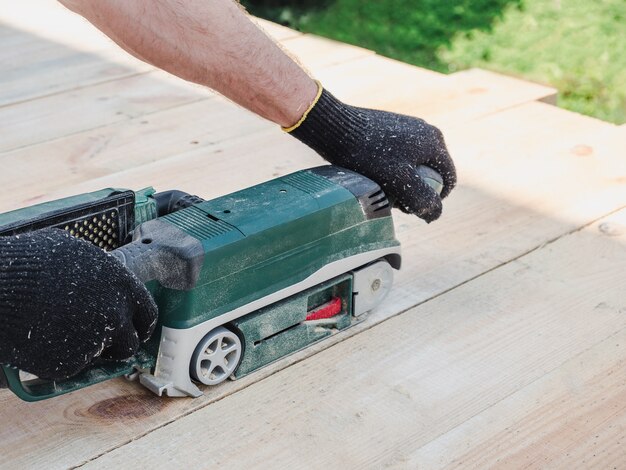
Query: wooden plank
x=573 y=417
x=89 y=154
x=51 y=22
x=502 y=209
x=206 y=126
x=315 y=53
x=502 y=339
x=93 y=106
x=54 y=70
x=377 y=81
x=49 y=49
x=85 y=108
x=474 y=85
x=276 y=31
x=387 y=84
x=53 y=50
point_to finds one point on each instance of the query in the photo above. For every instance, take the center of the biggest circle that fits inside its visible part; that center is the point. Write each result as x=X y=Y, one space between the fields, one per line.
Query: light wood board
x=480 y=231
x=50 y=50
x=387 y=84
x=61 y=114
x=96 y=152
x=527 y=361
x=529 y=174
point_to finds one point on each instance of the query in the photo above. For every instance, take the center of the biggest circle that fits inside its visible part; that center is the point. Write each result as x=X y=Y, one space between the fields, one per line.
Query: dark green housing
x=268 y=237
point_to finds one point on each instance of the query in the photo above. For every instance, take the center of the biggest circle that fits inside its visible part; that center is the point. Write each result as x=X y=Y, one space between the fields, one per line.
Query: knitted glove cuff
x=330 y=127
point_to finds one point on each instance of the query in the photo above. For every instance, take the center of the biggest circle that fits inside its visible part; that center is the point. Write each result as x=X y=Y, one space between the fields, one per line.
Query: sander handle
x=431 y=177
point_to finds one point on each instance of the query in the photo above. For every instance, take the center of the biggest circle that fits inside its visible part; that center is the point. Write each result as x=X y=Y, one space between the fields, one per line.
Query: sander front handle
x=38 y=389
x=431 y=177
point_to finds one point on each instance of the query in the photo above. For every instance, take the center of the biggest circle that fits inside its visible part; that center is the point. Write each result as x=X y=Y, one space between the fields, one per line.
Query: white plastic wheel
x=216 y=357
x=371 y=285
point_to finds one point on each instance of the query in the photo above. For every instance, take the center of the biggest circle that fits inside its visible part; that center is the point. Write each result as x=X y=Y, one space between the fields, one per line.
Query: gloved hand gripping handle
x=162 y=252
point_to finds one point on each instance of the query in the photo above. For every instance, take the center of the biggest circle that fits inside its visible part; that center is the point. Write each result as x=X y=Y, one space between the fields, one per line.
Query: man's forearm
x=209 y=42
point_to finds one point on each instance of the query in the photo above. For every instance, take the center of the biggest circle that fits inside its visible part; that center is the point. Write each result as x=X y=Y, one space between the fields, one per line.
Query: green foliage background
x=578 y=46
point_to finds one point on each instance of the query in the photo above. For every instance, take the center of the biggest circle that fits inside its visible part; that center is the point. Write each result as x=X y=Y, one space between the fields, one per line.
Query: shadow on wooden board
x=33 y=66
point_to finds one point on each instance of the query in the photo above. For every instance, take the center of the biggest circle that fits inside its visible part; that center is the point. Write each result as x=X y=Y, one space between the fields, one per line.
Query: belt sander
x=240 y=281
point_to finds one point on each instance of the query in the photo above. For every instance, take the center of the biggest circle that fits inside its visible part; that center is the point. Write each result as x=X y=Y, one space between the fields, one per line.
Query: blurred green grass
x=577 y=46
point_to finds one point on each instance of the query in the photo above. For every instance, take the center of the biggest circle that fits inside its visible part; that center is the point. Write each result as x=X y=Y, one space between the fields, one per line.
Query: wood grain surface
x=501 y=344
x=525 y=364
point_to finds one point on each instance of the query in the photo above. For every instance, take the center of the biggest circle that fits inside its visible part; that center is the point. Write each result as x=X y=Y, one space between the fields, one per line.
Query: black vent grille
x=378 y=201
x=106 y=223
x=102 y=229
x=370 y=196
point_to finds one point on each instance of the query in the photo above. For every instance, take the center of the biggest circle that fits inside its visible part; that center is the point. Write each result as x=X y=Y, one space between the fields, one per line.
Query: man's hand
x=385 y=147
x=64 y=302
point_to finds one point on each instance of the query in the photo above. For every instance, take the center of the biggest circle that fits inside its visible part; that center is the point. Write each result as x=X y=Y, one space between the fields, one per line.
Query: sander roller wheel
x=216 y=357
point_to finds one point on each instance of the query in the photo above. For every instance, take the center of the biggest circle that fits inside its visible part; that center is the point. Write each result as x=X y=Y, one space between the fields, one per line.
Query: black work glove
x=64 y=302
x=385 y=147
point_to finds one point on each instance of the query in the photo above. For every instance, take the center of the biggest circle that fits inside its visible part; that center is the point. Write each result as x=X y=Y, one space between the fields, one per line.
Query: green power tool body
x=240 y=281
